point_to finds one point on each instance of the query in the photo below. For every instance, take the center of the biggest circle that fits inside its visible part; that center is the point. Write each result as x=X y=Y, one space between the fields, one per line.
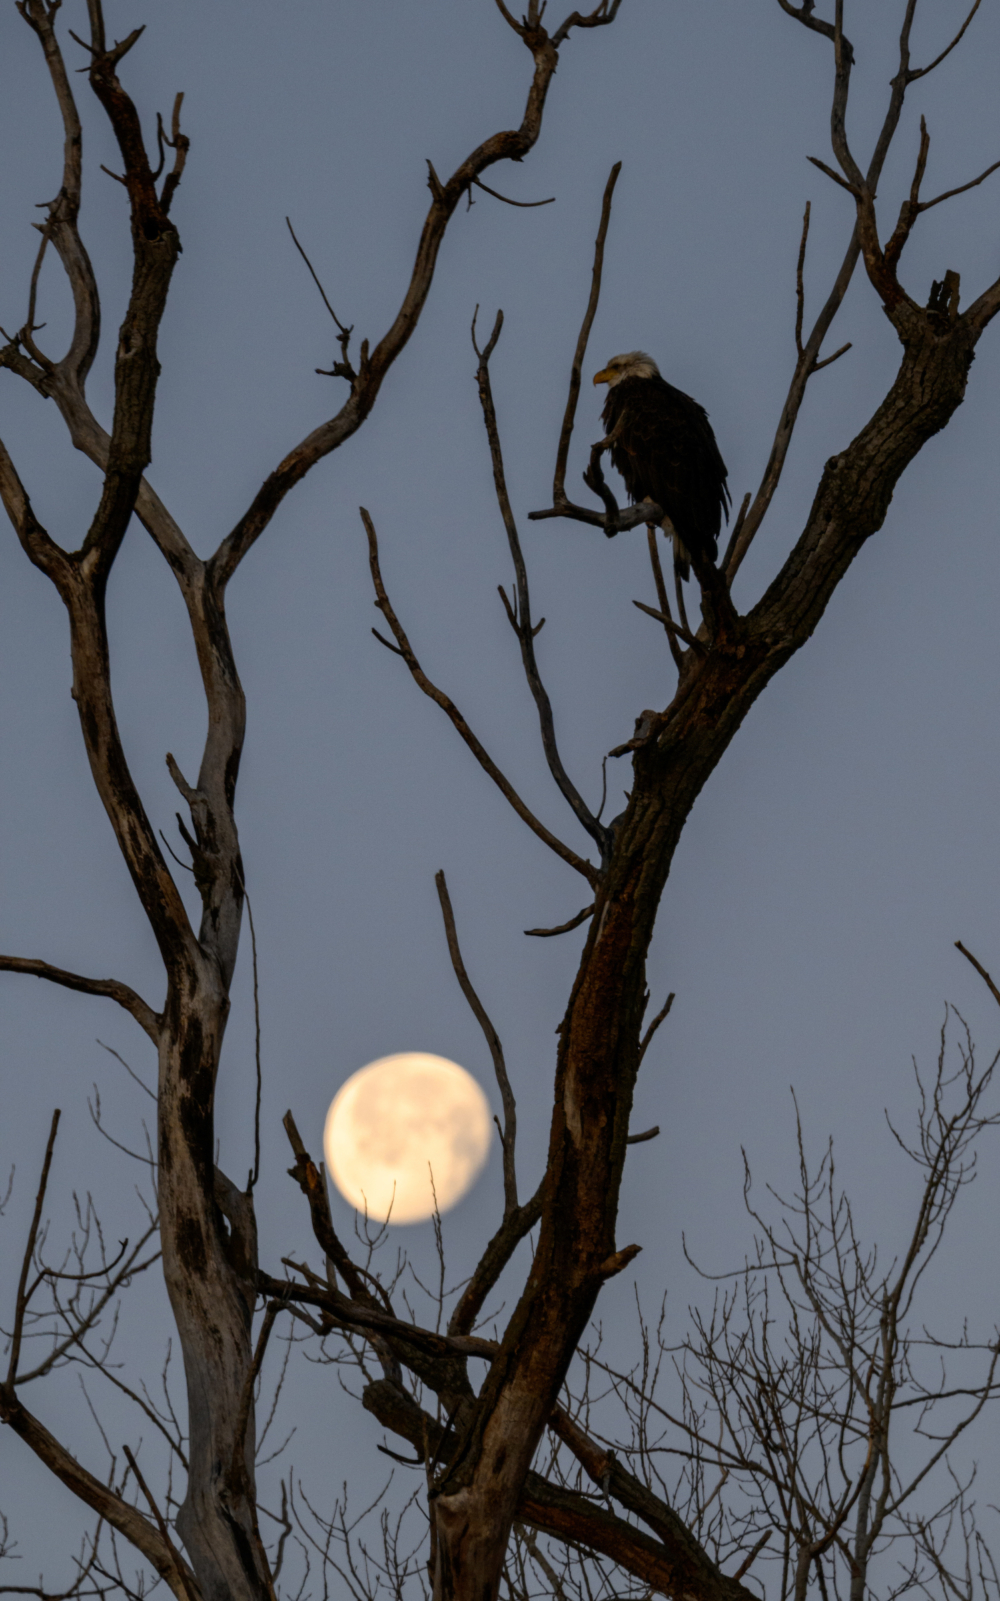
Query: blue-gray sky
x=849 y=836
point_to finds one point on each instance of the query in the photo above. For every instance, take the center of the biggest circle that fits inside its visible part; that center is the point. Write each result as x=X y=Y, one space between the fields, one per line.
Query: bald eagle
x=663 y=445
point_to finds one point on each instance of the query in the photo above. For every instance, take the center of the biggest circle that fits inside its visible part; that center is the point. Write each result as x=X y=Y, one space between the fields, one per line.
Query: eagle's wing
x=666 y=451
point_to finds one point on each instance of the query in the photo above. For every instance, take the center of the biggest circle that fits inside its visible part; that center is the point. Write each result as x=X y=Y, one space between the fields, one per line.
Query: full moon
x=398 y=1121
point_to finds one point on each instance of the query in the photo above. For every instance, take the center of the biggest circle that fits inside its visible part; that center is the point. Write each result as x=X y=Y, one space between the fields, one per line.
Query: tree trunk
x=210 y=1259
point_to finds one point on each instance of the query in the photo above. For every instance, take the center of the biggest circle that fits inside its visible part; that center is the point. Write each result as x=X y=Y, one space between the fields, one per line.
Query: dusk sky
x=850 y=835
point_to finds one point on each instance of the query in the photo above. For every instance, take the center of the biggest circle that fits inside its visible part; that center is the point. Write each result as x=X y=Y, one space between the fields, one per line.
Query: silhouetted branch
x=144 y=1015
x=563 y=928
x=589 y=872
x=342 y=368
x=183 y=1575
x=921 y=72
x=527 y=205
x=508 y=1134
x=521 y=616
x=566 y=432
x=23 y=1293
x=508 y=145
x=994 y=991
x=647 y=1134
x=513 y=1229
x=661 y=1015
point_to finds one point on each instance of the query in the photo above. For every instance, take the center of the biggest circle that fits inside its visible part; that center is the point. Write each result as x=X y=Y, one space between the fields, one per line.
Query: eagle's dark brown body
x=665 y=450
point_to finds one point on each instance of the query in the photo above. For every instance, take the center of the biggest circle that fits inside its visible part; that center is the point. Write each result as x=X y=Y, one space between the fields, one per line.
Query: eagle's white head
x=633 y=364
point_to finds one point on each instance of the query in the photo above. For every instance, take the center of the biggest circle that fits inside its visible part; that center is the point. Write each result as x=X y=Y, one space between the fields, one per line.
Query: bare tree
x=479 y=1448
x=817 y=1397
x=209 y=1264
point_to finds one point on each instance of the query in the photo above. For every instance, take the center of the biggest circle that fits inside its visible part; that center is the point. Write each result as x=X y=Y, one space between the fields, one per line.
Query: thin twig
x=246 y=1398
x=430 y=689
x=661 y=595
x=980 y=970
x=313 y=275
x=921 y=72
x=520 y=616
x=343 y=368
x=526 y=204
x=508 y=1134
x=654 y=1025
x=669 y=624
x=800 y=295
x=180 y=1566
x=569 y=416
x=563 y=928
x=21 y=1302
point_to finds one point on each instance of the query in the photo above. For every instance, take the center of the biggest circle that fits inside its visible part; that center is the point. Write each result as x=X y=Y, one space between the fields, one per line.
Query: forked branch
x=510 y=145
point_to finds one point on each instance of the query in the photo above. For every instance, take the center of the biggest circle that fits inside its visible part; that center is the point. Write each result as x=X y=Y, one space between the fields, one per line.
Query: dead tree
x=207 y=1226
x=721 y=671
x=479 y=1447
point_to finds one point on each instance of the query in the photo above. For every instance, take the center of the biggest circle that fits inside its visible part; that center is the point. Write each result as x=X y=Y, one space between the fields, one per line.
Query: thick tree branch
x=310 y=1181
x=35 y=541
x=604 y=1469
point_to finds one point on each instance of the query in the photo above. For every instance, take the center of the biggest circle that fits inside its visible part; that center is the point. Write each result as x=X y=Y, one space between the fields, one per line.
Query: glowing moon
x=398 y=1120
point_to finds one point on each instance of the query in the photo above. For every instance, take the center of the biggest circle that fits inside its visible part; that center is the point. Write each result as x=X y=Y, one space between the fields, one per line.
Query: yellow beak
x=604 y=376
